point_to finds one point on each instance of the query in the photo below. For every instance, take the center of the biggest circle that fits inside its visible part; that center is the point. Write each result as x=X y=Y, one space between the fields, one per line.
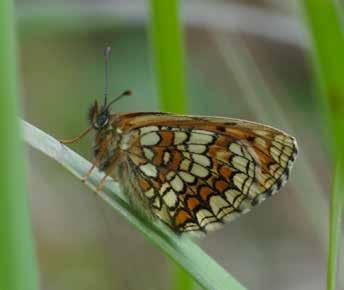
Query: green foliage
x=17 y=263
x=167 y=42
x=326 y=29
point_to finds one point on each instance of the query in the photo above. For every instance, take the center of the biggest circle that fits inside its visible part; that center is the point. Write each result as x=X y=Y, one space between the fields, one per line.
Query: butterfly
x=193 y=173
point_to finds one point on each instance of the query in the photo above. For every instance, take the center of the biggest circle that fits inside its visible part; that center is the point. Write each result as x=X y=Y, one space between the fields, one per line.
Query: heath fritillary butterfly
x=191 y=172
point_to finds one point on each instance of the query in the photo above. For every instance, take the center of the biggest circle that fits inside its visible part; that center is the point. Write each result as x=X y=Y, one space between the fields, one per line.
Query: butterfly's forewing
x=194 y=173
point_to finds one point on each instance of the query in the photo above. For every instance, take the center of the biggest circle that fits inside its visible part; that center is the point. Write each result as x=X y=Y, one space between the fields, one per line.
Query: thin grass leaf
x=185 y=252
x=167 y=42
x=17 y=263
x=326 y=29
x=336 y=215
x=182 y=280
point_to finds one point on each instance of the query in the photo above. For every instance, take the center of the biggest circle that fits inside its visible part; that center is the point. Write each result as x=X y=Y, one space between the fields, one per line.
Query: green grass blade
x=183 y=280
x=17 y=263
x=326 y=30
x=167 y=43
x=327 y=36
x=184 y=251
x=336 y=215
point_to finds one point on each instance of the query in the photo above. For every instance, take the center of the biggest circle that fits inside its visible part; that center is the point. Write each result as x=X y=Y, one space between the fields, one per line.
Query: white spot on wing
x=166 y=157
x=201 y=159
x=177 y=184
x=157 y=202
x=186 y=154
x=235 y=148
x=149 y=139
x=164 y=186
x=285 y=140
x=262 y=133
x=193 y=148
x=198 y=170
x=170 y=198
x=239 y=180
x=185 y=165
x=217 y=203
x=187 y=177
x=149 y=170
x=239 y=163
x=288 y=151
x=125 y=141
x=136 y=159
x=204 y=217
x=148 y=153
x=179 y=137
x=224 y=212
x=260 y=142
x=231 y=194
x=277 y=144
x=191 y=227
x=147 y=129
x=149 y=193
x=275 y=153
x=170 y=175
x=197 y=138
x=181 y=147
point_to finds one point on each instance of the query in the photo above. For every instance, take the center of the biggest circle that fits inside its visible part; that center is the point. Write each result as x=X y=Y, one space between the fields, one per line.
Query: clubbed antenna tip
x=125 y=93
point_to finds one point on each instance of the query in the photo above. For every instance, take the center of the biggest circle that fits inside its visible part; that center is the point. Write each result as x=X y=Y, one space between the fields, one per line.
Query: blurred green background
x=245 y=59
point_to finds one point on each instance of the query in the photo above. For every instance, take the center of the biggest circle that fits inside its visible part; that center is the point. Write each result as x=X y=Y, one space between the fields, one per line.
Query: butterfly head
x=99 y=116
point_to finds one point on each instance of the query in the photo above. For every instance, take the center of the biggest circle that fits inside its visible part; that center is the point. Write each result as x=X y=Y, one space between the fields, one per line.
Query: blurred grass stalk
x=326 y=29
x=17 y=262
x=167 y=46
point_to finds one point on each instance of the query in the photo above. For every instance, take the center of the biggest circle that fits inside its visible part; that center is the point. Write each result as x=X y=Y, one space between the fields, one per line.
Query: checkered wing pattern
x=195 y=173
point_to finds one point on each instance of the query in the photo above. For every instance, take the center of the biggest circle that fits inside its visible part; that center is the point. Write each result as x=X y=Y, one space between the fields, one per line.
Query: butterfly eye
x=102 y=120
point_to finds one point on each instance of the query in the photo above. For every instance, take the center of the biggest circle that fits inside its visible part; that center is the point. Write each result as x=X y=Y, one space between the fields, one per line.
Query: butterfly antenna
x=106 y=73
x=125 y=93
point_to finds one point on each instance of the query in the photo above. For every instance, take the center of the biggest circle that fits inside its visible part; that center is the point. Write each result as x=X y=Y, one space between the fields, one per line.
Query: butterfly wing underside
x=195 y=173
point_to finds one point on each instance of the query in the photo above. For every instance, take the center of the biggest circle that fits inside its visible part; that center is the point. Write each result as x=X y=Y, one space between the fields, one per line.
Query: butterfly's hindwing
x=197 y=173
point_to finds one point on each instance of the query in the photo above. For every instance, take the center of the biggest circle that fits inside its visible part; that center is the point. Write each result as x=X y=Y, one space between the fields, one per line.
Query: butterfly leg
x=77 y=138
x=108 y=172
x=96 y=161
